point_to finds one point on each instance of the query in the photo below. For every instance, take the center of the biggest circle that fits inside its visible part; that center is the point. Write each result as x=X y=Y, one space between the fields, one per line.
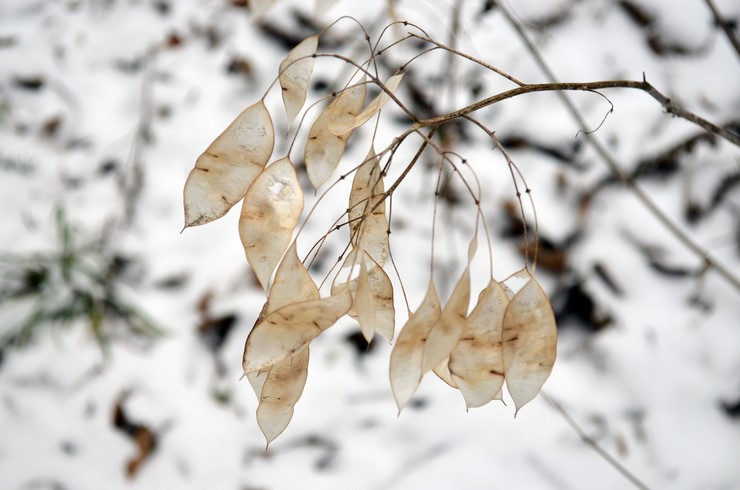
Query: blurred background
x=121 y=338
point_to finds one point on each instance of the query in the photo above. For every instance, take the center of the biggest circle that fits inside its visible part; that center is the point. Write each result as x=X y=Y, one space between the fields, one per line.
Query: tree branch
x=644 y=86
x=681 y=235
x=589 y=441
x=725 y=25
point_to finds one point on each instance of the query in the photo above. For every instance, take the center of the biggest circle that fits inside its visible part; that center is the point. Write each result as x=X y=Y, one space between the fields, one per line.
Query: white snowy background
x=106 y=104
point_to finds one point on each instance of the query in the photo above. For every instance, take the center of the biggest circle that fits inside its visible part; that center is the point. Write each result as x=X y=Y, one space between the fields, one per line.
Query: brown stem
x=645 y=86
x=725 y=25
x=468 y=57
x=592 y=443
x=408 y=168
x=681 y=235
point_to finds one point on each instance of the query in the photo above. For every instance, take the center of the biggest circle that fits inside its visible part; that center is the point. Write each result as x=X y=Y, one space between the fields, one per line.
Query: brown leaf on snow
x=144 y=437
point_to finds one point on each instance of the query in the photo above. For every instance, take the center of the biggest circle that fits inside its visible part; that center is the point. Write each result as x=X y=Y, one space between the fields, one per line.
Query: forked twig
x=682 y=236
x=561 y=87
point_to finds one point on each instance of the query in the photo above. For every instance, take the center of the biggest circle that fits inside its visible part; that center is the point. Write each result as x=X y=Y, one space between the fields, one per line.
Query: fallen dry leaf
x=143 y=437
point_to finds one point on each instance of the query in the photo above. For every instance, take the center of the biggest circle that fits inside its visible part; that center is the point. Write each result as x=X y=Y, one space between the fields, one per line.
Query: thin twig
x=592 y=443
x=725 y=25
x=449 y=70
x=559 y=87
x=510 y=163
x=468 y=57
x=681 y=235
x=373 y=79
x=131 y=185
x=393 y=261
x=408 y=168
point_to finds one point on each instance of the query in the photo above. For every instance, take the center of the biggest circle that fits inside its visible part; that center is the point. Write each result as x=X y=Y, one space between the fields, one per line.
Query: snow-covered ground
x=106 y=104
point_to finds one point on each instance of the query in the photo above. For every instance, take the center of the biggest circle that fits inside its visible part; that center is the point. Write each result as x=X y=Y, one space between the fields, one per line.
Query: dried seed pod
x=530 y=342
x=406 y=357
x=374 y=302
x=477 y=361
x=324 y=149
x=281 y=391
x=279 y=387
x=288 y=329
x=368 y=225
x=346 y=125
x=295 y=75
x=269 y=215
x=224 y=172
x=444 y=335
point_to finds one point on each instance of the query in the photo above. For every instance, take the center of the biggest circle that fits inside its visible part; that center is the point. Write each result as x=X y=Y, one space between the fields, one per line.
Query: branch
x=644 y=86
x=725 y=24
x=681 y=235
x=589 y=441
x=468 y=57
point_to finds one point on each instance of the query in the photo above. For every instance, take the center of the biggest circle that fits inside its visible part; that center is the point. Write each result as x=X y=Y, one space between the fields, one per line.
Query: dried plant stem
x=592 y=443
x=449 y=69
x=559 y=87
x=131 y=183
x=726 y=25
x=373 y=79
x=468 y=57
x=406 y=170
x=393 y=261
x=514 y=170
x=671 y=108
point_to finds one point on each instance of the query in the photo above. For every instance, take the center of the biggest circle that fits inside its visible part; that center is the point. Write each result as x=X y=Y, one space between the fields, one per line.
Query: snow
x=649 y=387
